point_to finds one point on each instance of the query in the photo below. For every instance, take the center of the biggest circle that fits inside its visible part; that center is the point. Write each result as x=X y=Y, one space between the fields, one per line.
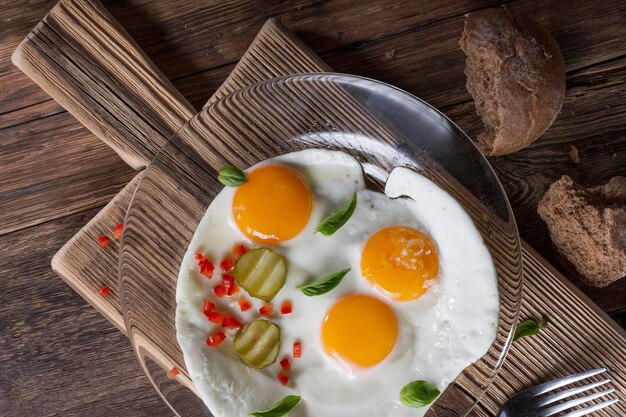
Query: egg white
x=441 y=333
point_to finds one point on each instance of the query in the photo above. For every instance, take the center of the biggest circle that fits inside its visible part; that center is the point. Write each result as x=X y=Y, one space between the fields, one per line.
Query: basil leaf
x=280 y=408
x=418 y=394
x=529 y=327
x=337 y=218
x=324 y=285
x=232 y=176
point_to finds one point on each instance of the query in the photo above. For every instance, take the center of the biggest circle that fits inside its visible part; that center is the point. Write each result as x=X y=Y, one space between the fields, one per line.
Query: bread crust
x=588 y=228
x=516 y=75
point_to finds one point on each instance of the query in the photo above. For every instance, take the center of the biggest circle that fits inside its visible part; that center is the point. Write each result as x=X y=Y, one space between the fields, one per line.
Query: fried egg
x=420 y=300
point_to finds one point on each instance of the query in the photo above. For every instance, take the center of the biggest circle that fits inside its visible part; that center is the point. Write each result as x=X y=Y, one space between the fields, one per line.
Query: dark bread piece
x=588 y=228
x=516 y=75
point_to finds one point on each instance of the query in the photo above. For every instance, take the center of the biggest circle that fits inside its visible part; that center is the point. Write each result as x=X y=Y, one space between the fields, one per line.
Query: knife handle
x=84 y=59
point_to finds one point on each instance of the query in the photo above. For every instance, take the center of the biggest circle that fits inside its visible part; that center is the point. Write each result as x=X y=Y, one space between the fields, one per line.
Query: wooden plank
x=56 y=148
x=59 y=356
x=185 y=37
x=81 y=56
x=385 y=48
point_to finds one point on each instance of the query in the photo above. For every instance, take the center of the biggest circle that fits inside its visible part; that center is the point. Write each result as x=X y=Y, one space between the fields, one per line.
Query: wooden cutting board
x=82 y=57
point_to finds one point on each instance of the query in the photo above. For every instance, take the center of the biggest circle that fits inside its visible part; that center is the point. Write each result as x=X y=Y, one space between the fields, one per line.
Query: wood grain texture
x=150 y=23
x=87 y=62
x=58 y=355
x=56 y=147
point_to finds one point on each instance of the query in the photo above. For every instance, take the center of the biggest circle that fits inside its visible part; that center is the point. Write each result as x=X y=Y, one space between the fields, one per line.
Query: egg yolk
x=273 y=206
x=398 y=260
x=359 y=329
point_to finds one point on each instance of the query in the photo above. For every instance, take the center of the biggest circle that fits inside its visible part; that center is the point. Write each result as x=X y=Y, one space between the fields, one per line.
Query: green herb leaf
x=418 y=394
x=324 y=285
x=529 y=327
x=337 y=218
x=280 y=408
x=232 y=176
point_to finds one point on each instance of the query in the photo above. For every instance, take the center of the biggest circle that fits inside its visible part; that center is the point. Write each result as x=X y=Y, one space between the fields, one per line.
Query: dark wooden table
x=58 y=356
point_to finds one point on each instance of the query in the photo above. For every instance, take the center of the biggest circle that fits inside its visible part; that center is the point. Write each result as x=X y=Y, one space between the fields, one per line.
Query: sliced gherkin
x=258 y=343
x=261 y=272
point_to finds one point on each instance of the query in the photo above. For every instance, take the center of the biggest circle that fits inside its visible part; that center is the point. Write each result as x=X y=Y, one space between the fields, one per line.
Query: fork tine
x=572 y=403
x=549 y=399
x=589 y=410
x=549 y=386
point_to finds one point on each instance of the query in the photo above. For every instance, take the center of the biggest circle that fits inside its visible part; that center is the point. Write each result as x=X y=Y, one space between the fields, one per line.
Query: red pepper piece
x=205 y=265
x=297 y=349
x=283 y=378
x=215 y=317
x=244 y=304
x=229 y=280
x=285 y=364
x=118 y=230
x=227 y=264
x=219 y=290
x=104 y=291
x=231 y=323
x=286 y=307
x=208 y=308
x=103 y=241
x=216 y=339
x=266 y=310
x=173 y=373
x=232 y=290
x=239 y=250
x=234 y=323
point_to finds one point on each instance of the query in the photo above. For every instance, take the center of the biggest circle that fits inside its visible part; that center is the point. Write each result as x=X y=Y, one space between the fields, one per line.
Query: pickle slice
x=261 y=272
x=258 y=343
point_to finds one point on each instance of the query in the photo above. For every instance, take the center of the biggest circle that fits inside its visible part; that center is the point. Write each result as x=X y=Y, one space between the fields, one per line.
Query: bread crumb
x=573 y=153
x=390 y=54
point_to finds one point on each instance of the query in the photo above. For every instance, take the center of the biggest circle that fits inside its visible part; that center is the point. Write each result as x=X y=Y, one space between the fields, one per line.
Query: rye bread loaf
x=516 y=75
x=588 y=228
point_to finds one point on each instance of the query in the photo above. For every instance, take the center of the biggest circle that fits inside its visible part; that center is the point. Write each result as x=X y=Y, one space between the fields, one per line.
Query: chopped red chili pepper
x=118 y=230
x=285 y=364
x=231 y=323
x=227 y=264
x=229 y=280
x=232 y=290
x=285 y=307
x=283 y=378
x=103 y=240
x=173 y=373
x=215 y=317
x=208 y=308
x=104 y=291
x=266 y=310
x=244 y=304
x=297 y=349
x=219 y=290
x=234 y=323
x=205 y=265
x=216 y=339
x=239 y=250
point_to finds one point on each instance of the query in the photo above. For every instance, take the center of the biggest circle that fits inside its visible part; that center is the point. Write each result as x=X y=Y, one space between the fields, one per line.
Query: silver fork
x=540 y=401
